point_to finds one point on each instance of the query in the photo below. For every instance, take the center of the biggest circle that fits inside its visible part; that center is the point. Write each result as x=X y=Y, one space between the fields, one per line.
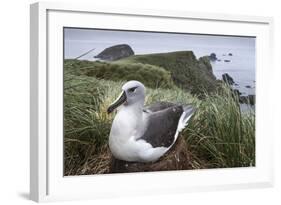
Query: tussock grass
x=218 y=135
x=87 y=124
x=153 y=76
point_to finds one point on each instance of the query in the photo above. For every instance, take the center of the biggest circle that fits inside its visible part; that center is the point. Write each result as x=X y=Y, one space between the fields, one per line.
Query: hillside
x=186 y=71
x=150 y=75
x=116 y=52
x=155 y=70
x=219 y=134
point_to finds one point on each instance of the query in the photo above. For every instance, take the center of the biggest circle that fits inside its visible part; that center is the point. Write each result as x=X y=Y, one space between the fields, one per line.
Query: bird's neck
x=134 y=113
x=130 y=120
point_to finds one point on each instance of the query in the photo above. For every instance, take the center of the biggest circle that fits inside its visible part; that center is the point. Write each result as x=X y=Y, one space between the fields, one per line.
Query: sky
x=78 y=41
x=241 y=66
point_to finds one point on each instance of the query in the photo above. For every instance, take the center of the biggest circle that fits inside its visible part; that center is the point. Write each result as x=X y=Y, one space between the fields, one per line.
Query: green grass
x=152 y=76
x=186 y=71
x=219 y=134
x=86 y=122
x=164 y=70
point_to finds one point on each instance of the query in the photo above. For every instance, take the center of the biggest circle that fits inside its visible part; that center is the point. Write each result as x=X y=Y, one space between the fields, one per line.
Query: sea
x=236 y=54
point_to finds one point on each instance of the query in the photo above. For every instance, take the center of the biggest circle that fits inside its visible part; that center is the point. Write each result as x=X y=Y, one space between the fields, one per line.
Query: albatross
x=144 y=134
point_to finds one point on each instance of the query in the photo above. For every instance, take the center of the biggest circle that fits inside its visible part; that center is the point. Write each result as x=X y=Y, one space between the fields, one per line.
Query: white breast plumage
x=134 y=134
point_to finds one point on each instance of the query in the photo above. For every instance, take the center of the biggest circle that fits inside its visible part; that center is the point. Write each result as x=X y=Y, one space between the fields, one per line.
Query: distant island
x=116 y=52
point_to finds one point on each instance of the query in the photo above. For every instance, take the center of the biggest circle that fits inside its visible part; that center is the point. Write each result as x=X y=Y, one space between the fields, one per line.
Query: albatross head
x=133 y=92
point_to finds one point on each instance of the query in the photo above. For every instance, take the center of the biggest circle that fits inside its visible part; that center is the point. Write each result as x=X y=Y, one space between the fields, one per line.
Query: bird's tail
x=188 y=111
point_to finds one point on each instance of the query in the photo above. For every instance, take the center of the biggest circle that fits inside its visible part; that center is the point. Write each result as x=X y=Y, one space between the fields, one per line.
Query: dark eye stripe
x=132 y=89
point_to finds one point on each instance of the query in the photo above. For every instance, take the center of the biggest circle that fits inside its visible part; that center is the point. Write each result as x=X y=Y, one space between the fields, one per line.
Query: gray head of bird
x=133 y=92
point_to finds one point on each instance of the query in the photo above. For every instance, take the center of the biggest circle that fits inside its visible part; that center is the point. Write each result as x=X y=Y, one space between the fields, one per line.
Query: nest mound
x=177 y=158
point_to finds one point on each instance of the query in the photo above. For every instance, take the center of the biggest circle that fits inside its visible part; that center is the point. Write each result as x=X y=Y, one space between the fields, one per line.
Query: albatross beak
x=119 y=101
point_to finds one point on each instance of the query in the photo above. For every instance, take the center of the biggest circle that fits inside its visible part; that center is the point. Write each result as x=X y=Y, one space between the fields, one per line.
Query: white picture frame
x=47 y=182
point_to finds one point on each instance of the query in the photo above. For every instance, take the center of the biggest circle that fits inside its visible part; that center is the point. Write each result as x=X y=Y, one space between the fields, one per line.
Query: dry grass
x=95 y=163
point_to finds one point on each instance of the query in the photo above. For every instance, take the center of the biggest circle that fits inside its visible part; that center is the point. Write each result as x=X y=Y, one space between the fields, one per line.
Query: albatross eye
x=131 y=90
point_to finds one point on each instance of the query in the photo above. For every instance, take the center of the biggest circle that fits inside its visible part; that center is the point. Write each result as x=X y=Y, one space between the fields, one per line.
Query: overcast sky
x=241 y=67
x=78 y=41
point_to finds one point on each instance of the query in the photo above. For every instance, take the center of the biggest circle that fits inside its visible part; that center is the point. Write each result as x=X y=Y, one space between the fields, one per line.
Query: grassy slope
x=219 y=134
x=151 y=75
x=154 y=70
x=187 y=72
x=87 y=124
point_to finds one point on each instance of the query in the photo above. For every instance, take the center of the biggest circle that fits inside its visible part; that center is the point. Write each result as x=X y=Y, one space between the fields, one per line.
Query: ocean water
x=241 y=66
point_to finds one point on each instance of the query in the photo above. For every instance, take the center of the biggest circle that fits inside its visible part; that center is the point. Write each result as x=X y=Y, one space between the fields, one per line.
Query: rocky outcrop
x=249 y=99
x=237 y=92
x=116 y=52
x=227 y=79
x=244 y=99
x=204 y=63
x=213 y=57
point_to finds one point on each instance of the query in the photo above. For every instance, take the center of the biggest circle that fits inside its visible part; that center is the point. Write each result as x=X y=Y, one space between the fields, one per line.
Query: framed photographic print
x=121 y=98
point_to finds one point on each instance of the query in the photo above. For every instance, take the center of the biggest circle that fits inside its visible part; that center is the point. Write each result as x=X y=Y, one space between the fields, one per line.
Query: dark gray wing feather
x=158 y=106
x=162 y=125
